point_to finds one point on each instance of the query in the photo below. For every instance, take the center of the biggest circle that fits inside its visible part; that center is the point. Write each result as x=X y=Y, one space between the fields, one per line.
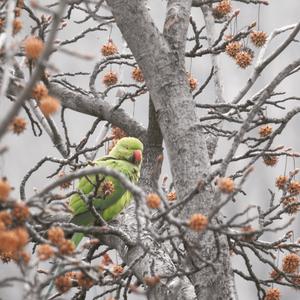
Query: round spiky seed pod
x=18 y=125
x=45 y=251
x=291 y=205
x=20 y=212
x=84 y=281
x=275 y=275
x=243 y=59
x=151 y=280
x=39 y=91
x=117 y=270
x=17 y=25
x=294 y=187
x=6 y=257
x=272 y=294
x=137 y=75
x=193 y=83
x=109 y=49
x=110 y=78
x=290 y=263
x=270 y=160
x=226 y=185
x=281 y=181
x=33 y=47
x=63 y=283
x=153 y=200
x=233 y=48
x=265 y=130
x=171 y=196
x=49 y=105
x=6 y=217
x=258 y=38
x=5 y=189
x=56 y=235
x=198 y=222
x=222 y=9
x=106 y=188
x=66 y=247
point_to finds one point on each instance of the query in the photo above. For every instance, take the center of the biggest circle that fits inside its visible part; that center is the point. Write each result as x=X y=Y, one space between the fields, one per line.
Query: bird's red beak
x=137 y=156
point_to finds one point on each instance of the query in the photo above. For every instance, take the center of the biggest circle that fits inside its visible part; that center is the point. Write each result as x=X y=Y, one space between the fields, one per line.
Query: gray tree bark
x=162 y=62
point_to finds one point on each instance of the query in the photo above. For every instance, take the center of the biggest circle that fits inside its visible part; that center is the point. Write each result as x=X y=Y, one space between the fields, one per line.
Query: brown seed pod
x=49 y=105
x=66 y=247
x=20 y=212
x=137 y=75
x=198 y=222
x=258 y=38
x=56 y=235
x=291 y=205
x=5 y=218
x=33 y=47
x=45 y=251
x=193 y=83
x=270 y=160
x=17 y=25
x=109 y=49
x=106 y=188
x=243 y=59
x=39 y=91
x=110 y=78
x=153 y=200
x=5 y=189
x=63 y=283
x=84 y=280
x=222 y=9
x=233 y=48
x=265 y=130
x=281 y=181
x=171 y=196
x=117 y=270
x=226 y=185
x=294 y=187
x=272 y=294
x=18 y=125
x=151 y=280
x=290 y=263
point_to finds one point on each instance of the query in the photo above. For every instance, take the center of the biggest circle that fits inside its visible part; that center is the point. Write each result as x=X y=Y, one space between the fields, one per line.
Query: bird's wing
x=105 y=196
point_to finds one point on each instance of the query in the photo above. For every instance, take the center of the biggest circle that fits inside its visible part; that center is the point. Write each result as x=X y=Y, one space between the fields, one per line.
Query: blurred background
x=26 y=150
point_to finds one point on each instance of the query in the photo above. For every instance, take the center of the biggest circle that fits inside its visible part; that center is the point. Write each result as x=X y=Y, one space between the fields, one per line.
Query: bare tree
x=173 y=240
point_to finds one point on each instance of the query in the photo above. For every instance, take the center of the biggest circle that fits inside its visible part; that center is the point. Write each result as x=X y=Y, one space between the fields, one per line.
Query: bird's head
x=129 y=149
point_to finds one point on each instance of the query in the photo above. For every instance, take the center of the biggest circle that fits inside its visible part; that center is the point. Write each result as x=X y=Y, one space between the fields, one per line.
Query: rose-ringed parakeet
x=111 y=197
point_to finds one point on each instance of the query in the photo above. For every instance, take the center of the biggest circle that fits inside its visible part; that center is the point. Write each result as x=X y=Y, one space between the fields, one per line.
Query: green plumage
x=111 y=197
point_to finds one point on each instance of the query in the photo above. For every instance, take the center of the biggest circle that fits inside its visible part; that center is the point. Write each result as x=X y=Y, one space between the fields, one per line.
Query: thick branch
x=97 y=108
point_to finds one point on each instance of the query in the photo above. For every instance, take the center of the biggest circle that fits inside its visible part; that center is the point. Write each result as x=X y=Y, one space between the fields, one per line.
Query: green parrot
x=111 y=197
